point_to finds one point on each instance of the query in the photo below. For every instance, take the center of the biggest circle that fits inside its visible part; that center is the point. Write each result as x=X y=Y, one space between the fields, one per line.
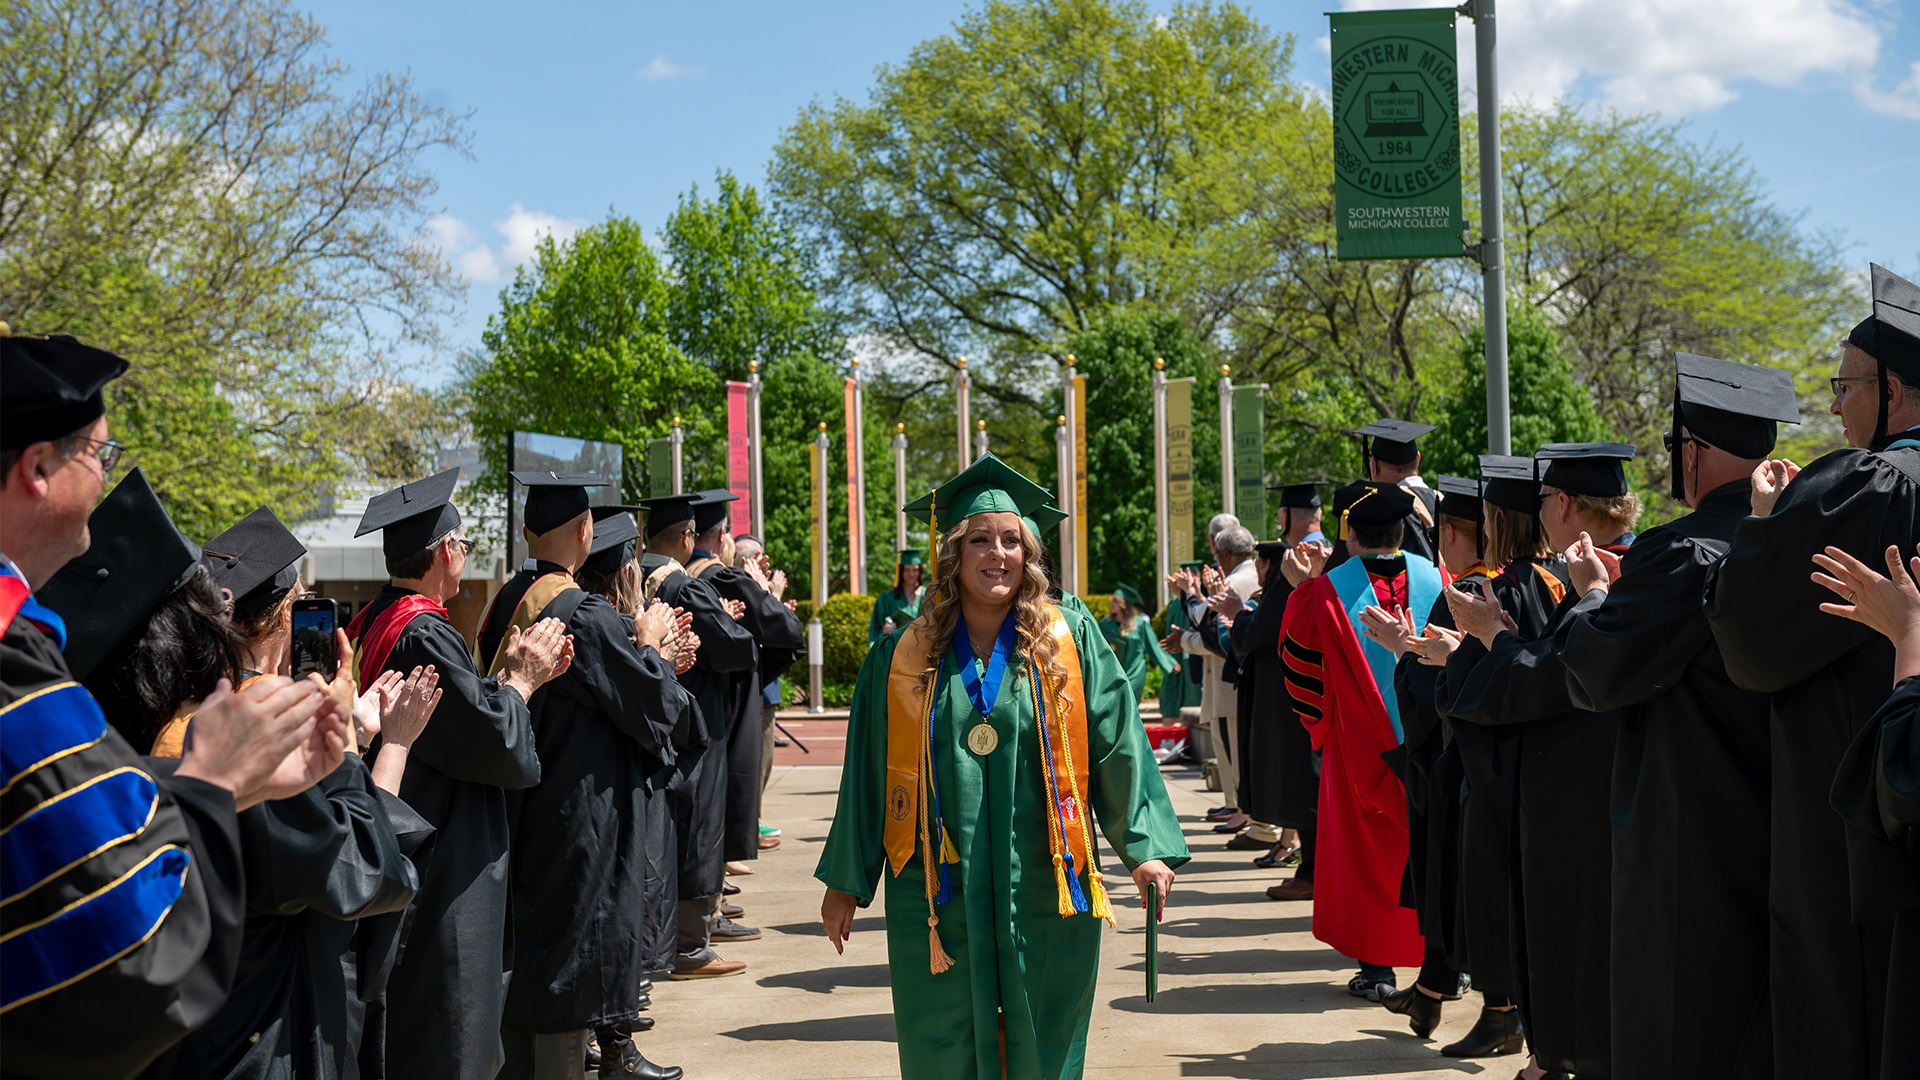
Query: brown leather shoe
x=1295 y=889
x=1246 y=842
x=768 y=843
x=712 y=969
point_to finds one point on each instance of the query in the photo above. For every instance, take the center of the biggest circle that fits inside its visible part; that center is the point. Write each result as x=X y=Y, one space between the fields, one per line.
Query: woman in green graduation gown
x=899 y=605
x=985 y=738
x=1130 y=633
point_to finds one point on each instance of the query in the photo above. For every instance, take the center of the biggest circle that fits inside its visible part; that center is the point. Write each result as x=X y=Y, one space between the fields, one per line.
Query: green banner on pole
x=1250 y=458
x=1396 y=134
x=659 y=467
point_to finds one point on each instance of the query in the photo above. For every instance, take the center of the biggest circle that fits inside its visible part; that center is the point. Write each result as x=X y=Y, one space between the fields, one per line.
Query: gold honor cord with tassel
x=1096 y=890
x=937 y=957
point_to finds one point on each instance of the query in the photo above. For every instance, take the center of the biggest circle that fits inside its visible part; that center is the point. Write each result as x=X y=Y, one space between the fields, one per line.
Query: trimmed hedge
x=843 y=636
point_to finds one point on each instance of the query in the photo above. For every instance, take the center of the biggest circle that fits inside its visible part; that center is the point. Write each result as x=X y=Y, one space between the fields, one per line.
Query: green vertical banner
x=1180 y=469
x=1396 y=134
x=659 y=467
x=1250 y=458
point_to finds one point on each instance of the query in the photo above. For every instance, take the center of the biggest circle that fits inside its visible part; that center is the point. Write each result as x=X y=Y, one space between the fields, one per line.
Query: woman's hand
x=1436 y=646
x=836 y=915
x=1154 y=872
x=1391 y=630
x=1888 y=604
x=366 y=707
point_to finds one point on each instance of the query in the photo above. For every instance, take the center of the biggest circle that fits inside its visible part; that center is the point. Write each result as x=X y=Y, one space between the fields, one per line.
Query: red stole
x=385 y=631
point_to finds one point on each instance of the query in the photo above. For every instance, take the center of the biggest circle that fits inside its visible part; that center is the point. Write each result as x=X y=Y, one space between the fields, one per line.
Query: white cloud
x=660 y=69
x=1902 y=101
x=1678 y=56
x=520 y=232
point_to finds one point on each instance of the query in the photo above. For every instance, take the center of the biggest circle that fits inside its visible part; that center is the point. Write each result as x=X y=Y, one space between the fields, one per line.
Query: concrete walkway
x=1245 y=990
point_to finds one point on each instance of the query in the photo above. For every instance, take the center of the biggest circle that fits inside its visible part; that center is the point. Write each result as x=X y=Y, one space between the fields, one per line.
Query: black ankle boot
x=1498 y=1031
x=620 y=1058
x=1422 y=1011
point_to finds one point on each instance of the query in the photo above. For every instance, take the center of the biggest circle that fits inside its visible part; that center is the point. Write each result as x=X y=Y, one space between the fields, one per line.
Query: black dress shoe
x=1245 y=842
x=645 y=987
x=1460 y=988
x=593 y=1055
x=1421 y=1010
x=729 y=889
x=638 y=1023
x=1496 y=1032
x=1277 y=856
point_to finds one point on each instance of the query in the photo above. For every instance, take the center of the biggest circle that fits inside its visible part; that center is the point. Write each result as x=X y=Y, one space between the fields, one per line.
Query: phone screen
x=313 y=647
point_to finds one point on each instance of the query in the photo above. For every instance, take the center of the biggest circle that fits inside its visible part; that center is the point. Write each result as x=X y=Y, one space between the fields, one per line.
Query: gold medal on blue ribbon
x=982 y=739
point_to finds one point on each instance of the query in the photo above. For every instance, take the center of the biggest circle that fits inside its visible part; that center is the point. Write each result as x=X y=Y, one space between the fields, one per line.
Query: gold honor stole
x=541 y=593
x=1064 y=754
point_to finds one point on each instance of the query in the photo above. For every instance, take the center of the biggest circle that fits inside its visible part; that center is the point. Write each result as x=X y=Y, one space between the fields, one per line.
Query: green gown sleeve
x=854 y=855
x=1129 y=798
x=881 y=609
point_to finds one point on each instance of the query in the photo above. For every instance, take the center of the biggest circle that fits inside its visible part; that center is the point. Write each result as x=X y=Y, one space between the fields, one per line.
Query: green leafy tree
x=1547 y=405
x=195 y=185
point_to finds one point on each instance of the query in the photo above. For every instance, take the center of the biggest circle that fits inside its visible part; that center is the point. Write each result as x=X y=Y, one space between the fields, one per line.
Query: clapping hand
x=1479 y=616
x=1770 y=478
x=1591 y=567
x=407 y=704
x=735 y=608
x=367 y=707
x=1436 y=645
x=1303 y=561
x=1228 y=604
x=1888 y=604
x=1391 y=630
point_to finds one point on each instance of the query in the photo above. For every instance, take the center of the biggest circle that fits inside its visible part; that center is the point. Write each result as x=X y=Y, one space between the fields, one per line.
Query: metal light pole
x=899 y=486
x=816 y=647
x=1161 y=567
x=677 y=440
x=960 y=383
x=1226 y=439
x=979 y=439
x=753 y=451
x=1491 y=250
x=1063 y=449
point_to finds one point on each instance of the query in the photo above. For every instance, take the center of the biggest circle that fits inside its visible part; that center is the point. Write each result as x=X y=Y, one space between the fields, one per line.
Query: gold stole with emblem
x=541 y=593
x=1064 y=755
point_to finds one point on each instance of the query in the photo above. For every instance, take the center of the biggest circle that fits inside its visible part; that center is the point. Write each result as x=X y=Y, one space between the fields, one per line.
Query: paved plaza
x=1245 y=990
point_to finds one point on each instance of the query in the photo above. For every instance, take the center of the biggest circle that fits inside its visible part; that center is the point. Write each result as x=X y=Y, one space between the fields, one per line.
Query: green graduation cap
x=912 y=557
x=1043 y=519
x=989 y=485
x=1130 y=595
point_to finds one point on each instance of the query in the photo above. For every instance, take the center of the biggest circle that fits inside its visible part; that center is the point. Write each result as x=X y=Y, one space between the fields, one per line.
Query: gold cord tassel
x=1060 y=886
x=1097 y=904
x=941 y=963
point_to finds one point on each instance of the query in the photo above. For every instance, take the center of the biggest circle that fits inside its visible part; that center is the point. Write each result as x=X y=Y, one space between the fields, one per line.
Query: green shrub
x=1154 y=678
x=1097 y=603
x=843 y=630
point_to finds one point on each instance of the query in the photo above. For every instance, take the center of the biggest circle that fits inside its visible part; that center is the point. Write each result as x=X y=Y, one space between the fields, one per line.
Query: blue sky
x=582 y=108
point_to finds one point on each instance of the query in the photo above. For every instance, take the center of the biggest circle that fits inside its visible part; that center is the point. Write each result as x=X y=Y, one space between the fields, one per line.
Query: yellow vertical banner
x=1084 y=525
x=1180 y=470
x=856 y=493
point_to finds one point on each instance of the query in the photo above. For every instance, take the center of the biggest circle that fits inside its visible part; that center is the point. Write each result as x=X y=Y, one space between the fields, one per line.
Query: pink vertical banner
x=739 y=460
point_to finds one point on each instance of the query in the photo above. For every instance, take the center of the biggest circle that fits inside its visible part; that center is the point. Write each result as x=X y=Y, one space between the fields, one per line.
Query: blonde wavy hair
x=1033 y=624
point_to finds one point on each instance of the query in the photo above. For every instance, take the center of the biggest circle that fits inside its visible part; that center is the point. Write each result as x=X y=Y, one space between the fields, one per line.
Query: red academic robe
x=1363 y=808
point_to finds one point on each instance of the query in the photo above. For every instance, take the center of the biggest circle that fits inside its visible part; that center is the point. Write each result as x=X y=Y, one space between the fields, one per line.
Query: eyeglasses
x=1667 y=439
x=106 y=451
x=1838 y=383
x=466 y=545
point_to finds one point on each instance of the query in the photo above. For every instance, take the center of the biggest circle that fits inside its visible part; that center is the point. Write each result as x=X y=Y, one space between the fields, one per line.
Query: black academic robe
x=448 y=990
x=603 y=728
x=315 y=863
x=1488 y=760
x=1562 y=914
x=771 y=626
x=699 y=781
x=1826 y=676
x=1429 y=768
x=1278 y=782
x=1689 y=808
x=1420 y=537
x=1877 y=791
x=104 y=997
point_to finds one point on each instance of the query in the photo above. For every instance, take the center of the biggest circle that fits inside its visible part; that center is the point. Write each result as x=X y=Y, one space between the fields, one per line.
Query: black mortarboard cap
x=1459 y=498
x=136 y=558
x=1371 y=502
x=1891 y=334
x=666 y=511
x=50 y=387
x=614 y=533
x=1392 y=440
x=712 y=509
x=1512 y=482
x=1736 y=407
x=1590 y=468
x=414 y=515
x=257 y=560
x=1298 y=496
x=1270 y=550
x=555 y=498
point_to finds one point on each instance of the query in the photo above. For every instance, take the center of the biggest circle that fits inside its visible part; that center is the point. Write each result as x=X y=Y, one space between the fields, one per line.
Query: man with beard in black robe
x=448 y=990
x=145 y=969
x=1562 y=914
x=579 y=837
x=1689 y=802
x=699 y=784
x=774 y=629
x=1827 y=957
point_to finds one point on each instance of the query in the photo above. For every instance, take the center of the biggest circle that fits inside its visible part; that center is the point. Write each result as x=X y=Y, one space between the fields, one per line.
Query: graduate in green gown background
x=1130 y=632
x=1176 y=692
x=985 y=739
x=900 y=605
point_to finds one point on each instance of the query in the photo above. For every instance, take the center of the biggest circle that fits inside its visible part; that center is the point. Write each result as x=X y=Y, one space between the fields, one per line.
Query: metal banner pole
x=1066 y=566
x=1492 y=254
x=899 y=486
x=1226 y=440
x=1063 y=499
x=979 y=439
x=676 y=440
x=816 y=651
x=856 y=486
x=960 y=382
x=753 y=451
x=1161 y=567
